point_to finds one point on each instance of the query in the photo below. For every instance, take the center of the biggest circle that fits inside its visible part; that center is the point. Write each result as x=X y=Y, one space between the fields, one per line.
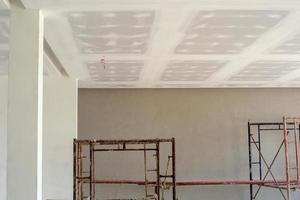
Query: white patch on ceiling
x=190 y=70
x=121 y=32
x=226 y=31
x=115 y=71
x=291 y=46
x=266 y=70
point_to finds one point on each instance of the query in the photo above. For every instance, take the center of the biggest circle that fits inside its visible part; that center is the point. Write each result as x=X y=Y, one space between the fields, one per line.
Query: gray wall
x=210 y=127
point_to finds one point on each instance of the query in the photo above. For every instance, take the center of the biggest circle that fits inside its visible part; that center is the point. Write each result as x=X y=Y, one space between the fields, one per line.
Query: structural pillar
x=59 y=130
x=25 y=104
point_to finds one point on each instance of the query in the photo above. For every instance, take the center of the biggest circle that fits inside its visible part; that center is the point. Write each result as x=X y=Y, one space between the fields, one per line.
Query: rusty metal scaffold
x=289 y=147
x=84 y=177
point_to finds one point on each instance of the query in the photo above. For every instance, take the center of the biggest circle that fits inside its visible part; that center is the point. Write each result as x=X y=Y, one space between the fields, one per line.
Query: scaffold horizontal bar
x=113 y=142
x=141 y=149
x=196 y=183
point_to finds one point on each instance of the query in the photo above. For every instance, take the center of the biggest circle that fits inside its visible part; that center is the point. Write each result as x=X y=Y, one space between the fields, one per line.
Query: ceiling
x=174 y=43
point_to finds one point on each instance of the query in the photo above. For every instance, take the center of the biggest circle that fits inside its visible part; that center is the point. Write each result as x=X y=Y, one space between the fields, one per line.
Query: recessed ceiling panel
x=297 y=80
x=240 y=85
x=287 y=85
x=266 y=70
x=121 y=32
x=190 y=70
x=226 y=31
x=291 y=46
x=115 y=71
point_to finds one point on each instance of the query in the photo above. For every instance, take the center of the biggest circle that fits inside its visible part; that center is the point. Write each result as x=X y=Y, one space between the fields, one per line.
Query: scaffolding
x=289 y=146
x=287 y=131
x=84 y=167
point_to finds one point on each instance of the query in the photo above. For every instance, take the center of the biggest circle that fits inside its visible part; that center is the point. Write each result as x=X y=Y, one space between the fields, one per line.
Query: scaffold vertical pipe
x=145 y=171
x=250 y=161
x=174 y=168
x=158 y=171
x=91 y=171
x=296 y=150
x=259 y=145
x=74 y=169
x=287 y=164
x=80 y=173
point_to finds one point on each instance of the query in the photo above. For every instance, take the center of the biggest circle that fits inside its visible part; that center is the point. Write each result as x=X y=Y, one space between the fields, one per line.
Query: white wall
x=60 y=128
x=3 y=137
x=210 y=127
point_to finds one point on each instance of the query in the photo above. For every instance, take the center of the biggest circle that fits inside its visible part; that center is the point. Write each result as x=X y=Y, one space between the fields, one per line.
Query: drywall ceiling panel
x=115 y=71
x=122 y=32
x=291 y=46
x=190 y=70
x=226 y=31
x=266 y=70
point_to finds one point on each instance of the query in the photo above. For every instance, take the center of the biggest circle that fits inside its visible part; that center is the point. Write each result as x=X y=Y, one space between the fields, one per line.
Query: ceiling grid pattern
x=125 y=36
x=184 y=44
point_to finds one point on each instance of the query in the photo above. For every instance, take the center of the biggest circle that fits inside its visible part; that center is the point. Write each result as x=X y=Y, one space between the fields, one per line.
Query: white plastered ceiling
x=178 y=43
x=4 y=38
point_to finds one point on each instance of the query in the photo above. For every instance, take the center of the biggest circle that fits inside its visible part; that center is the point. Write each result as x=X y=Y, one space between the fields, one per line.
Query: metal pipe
x=287 y=164
x=112 y=142
x=140 y=149
x=296 y=150
x=195 y=183
x=158 y=171
x=260 y=152
x=174 y=168
x=91 y=172
x=250 y=160
x=74 y=169
x=145 y=171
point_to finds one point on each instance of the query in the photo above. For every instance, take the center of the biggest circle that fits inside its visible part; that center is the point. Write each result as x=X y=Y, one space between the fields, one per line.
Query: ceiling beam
x=162 y=46
x=31 y=4
x=54 y=63
x=65 y=48
x=4 y=4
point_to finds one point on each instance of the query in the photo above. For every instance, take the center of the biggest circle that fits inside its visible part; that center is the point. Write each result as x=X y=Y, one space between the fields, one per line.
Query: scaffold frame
x=289 y=126
x=163 y=181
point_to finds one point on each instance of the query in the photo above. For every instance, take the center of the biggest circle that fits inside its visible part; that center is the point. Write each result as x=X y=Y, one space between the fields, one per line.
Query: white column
x=25 y=98
x=60 y=128
x=3 y=136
